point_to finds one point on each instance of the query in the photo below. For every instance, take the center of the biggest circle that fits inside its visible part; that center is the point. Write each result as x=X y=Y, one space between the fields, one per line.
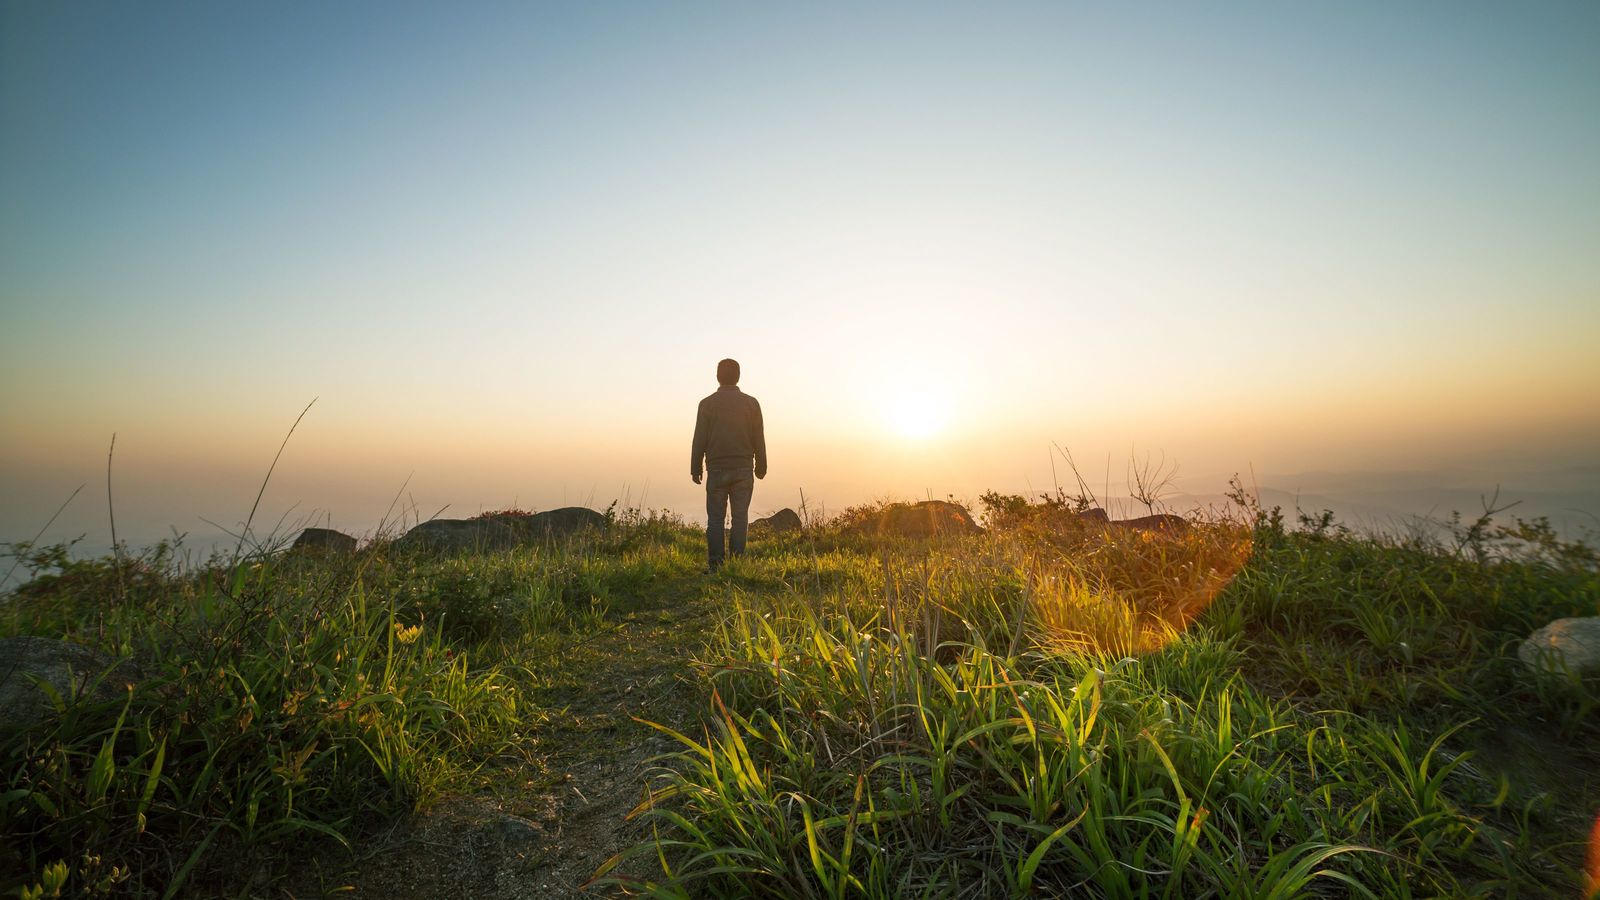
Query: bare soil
x=556 y=812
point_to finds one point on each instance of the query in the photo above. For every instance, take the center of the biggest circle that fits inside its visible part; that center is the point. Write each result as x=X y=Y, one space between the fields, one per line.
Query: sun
x=917 y=414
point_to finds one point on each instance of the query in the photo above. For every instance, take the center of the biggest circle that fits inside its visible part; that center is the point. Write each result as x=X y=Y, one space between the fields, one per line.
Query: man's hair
x=728 y=372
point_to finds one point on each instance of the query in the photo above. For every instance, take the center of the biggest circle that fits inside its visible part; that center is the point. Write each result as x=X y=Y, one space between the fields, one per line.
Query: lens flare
x=1592 y=889
x=1124 y=590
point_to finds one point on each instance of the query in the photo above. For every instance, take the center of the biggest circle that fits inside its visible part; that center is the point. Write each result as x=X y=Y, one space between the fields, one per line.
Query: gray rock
x=1565 y=645
x=565 y=520
x=1159 y=522
x=464 y=847
x=455 y=535
x=324 y=540
x=515 y=832
x=925 y=519
x=72 y=670
x=784 y=519
x=498 y=532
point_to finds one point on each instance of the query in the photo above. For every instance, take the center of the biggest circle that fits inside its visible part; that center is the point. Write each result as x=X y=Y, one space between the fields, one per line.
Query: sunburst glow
x=918 y=414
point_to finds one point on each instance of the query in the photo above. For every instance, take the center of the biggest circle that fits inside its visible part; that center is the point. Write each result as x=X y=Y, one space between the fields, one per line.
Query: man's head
x=728 y=372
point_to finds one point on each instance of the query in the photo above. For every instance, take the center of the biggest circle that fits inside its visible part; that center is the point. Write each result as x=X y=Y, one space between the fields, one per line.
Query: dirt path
x=558 y=814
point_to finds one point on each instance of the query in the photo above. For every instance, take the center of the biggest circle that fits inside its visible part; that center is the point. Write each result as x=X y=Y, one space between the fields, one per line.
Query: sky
x=502 y=246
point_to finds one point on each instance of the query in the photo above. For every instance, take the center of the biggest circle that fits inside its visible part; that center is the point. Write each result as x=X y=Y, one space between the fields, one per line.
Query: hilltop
x=1244 y=707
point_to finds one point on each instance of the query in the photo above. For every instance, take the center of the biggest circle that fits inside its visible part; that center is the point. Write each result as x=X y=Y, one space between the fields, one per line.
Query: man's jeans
x=722 y=488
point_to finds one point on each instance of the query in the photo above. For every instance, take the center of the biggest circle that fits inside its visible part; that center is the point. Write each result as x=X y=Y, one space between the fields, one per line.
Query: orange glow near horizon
x=938 y=249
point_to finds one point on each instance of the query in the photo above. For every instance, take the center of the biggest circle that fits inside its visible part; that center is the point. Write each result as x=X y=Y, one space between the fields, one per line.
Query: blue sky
x=505 y=244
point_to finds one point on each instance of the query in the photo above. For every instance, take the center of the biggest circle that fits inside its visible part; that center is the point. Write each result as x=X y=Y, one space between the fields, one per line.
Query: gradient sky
x=505 y=246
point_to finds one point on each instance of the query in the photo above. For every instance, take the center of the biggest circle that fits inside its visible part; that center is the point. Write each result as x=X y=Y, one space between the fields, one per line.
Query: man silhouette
x=730 y=443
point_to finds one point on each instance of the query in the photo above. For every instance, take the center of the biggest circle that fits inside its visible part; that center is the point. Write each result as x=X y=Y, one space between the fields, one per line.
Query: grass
x=289 y=700
x=1054 y=710
x=1246 y=710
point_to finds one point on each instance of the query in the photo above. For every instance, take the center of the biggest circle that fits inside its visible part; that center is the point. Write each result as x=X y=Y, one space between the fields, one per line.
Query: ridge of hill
x=1047 y=706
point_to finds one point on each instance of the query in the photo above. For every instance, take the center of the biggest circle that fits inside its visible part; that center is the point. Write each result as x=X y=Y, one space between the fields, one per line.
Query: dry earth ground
x=554 y=814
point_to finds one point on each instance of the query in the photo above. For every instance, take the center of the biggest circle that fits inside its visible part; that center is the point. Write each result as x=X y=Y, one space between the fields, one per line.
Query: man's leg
x=716 y=509
x=739 y=492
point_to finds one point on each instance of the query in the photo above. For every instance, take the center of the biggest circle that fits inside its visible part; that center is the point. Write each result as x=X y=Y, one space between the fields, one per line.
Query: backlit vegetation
x=290 y=700
x=1057 y=709
x=1244 y=708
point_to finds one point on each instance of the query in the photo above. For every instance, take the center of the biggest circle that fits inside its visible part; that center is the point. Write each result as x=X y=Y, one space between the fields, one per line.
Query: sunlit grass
x=288 y=699
x=1096 y=712
x=1047 y=708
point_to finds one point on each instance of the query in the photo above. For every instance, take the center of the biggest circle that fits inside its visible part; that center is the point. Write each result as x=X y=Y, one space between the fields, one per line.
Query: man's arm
x=758 y=438
x=697 y=454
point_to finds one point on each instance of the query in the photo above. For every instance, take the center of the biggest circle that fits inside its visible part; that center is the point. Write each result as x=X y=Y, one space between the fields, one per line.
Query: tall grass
x=1233 y=710
x=287 y=699
x=1054 y=709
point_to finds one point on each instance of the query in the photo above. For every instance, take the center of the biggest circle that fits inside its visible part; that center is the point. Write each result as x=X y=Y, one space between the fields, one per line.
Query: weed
x=1051 y=709
x=1237 y=709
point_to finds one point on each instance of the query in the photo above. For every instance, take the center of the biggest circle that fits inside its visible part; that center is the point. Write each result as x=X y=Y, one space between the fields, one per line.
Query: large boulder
x=324 y=540
x=498 y=532
x=925 y=519
x=1565 y=645
x=565 y=520
x=784 y=519
x=72 y=670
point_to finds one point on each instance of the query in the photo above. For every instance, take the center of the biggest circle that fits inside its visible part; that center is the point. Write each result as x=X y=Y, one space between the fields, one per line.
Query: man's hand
x=695 y=476
x=761 y=473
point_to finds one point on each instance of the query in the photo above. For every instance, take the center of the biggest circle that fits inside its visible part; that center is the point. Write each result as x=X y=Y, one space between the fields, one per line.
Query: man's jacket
x=728 y=433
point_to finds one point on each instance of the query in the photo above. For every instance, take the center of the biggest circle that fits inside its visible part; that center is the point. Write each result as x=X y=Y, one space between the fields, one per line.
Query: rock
x=455 y=535
x=324 y=540
x=566 y=520
x=498 y=532
x=463 y=846
x=1159 y=522
x=1565 y=645
x=71 y=669
x=784 y=519
x=923 y=519
x=514 y=833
